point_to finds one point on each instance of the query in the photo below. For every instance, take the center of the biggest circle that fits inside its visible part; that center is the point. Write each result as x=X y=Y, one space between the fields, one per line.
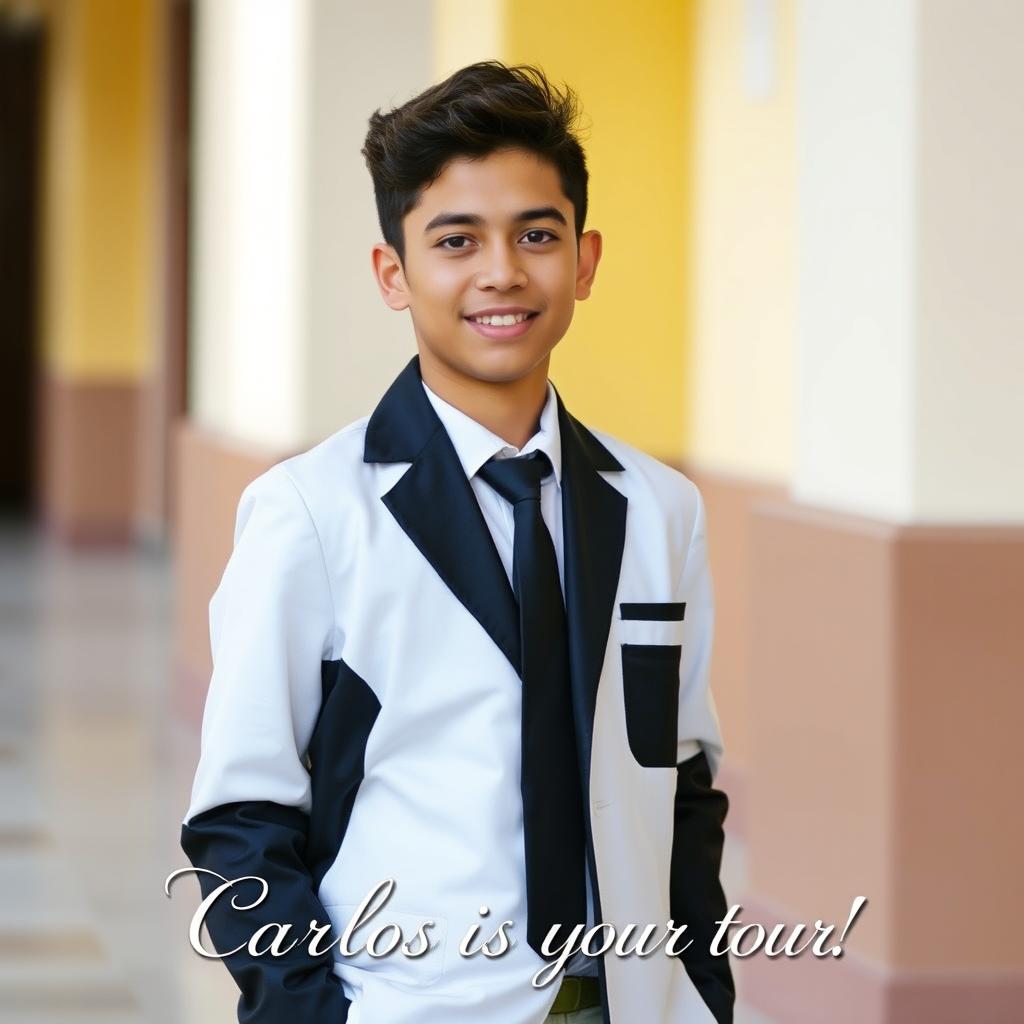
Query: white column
x=910 y=340
x=290 y=339
x=969 y=414
x=249 y=195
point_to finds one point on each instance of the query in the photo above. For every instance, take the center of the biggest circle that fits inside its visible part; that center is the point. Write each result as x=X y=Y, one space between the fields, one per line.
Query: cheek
x=456 y=286
x=438 y=287
x=559 y=279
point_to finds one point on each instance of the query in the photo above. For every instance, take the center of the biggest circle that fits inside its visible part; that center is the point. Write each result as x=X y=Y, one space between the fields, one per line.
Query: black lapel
x=593 y=533
x=434 y=504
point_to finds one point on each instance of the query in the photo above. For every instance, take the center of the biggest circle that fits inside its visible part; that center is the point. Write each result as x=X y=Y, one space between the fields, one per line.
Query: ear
x=390 y=277
x=587 y=261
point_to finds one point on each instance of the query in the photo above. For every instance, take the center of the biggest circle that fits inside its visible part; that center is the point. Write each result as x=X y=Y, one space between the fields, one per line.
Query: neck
x=510 y=409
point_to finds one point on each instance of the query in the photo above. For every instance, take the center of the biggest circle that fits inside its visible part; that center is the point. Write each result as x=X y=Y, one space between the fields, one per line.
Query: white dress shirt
x=475 y=444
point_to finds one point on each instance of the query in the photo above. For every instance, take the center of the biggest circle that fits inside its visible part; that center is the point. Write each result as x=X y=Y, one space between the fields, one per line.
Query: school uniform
x=363 y=722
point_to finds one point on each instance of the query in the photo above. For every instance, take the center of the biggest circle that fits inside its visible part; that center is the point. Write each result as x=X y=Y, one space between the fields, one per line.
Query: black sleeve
x=695 y=890
x=271 y=627
x=267 y=840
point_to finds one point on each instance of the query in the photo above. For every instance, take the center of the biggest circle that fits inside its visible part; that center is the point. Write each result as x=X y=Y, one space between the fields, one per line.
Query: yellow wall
x=102 y=221
x=466 y=31
x=622 y=365
x=744 y=311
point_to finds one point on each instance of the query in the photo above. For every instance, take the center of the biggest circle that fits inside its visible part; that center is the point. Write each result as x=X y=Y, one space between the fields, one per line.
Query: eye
x=453 y=238
x=539 y=231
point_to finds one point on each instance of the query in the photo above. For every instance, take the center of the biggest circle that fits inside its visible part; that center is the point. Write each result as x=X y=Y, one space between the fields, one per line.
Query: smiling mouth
x=502 y=327
x=506 y=320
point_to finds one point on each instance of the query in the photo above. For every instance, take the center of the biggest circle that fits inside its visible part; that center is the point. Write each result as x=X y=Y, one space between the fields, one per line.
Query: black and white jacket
x=357 y=730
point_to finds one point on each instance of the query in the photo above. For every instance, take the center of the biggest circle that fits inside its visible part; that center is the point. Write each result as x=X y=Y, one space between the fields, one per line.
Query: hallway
x=95 y=770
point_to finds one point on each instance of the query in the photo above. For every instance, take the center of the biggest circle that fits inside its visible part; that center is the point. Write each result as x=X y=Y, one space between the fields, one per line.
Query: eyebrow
x=445 y=220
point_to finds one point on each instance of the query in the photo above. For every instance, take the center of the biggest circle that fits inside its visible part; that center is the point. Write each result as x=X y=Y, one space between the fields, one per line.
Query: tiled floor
x=95 y=772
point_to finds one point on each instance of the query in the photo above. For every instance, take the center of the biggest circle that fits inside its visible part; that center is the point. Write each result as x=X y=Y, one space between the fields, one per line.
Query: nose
x=501 y=269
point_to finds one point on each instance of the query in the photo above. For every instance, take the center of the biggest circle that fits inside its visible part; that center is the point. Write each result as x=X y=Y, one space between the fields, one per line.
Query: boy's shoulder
x=331 y=460
x=314 y=477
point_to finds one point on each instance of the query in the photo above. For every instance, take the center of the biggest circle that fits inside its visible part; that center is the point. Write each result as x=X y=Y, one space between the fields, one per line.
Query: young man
x=461 y=647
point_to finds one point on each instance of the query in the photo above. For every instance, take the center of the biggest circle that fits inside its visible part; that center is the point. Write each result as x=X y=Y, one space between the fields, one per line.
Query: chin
x=503 y=367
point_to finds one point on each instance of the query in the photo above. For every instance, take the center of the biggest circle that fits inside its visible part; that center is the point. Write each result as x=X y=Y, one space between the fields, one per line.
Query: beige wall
x=969 y=236
x=356 y=345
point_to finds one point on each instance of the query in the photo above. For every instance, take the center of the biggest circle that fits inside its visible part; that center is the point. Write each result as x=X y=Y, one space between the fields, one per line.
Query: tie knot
x=517 y=479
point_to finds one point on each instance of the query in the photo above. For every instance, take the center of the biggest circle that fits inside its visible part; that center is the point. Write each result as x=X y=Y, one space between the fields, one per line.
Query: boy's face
x=492 y=234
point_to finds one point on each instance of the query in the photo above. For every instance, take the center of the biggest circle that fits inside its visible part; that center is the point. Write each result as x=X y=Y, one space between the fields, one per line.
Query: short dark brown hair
x=479 y=109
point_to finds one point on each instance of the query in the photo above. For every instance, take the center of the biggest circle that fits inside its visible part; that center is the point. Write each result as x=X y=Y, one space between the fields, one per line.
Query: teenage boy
x=461 y=648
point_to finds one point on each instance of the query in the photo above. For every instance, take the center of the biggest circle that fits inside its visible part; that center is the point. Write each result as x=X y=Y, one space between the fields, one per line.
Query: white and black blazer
x=364 y=640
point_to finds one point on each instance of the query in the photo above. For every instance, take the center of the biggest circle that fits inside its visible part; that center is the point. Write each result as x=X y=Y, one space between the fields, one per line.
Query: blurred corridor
x=92 y=771
x=808 y=303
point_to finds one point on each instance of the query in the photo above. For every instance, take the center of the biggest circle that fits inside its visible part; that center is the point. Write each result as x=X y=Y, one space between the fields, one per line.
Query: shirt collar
x=475 y=444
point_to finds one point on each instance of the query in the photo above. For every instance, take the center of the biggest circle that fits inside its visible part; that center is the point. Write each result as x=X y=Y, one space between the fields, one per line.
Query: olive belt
x=576 y=993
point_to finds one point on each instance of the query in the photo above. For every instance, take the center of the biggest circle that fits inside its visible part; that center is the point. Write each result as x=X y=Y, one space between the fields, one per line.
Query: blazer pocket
x=650 y=684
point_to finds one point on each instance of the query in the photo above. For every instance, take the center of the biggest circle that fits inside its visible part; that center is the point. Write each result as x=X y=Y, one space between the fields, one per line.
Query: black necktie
x=552 y=792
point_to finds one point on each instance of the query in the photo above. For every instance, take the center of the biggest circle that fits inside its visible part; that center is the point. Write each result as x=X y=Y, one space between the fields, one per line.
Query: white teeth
x=501 y=321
